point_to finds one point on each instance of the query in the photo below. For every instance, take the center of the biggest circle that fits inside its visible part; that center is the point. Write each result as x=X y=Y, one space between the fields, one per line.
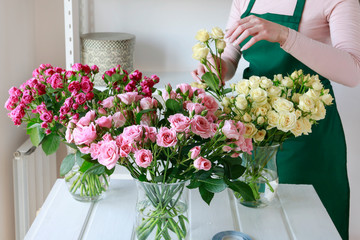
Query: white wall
x=31 y=32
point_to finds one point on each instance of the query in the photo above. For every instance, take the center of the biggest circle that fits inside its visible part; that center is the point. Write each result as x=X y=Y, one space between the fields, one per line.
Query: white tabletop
x=297 y=213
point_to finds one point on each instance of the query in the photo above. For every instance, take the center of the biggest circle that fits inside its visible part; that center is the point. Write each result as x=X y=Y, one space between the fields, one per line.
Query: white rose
x=260 y=135
x=250 y=130
x=278 y=77
x=198 y=85
x=281 y=104
x=317 y=85
x=274 y=91
x=227 y=110
x=202 y=35
x=313 y=94
x=258 y=95
x=225 y=101
x=298 y=129
x=287 y=121
x=273 y=118
x=261 y=111
x=306 y=103
x=295 y=97
x=296 y=74
x=247 y=117
x=242 y=87
x=266 y=83
x=217 y=33
x=298 y=113
x=220 y=44
x=200 y=53
x=260 y=120
x=306 y=124
x=241 y=102
x=287 y=82
x=319 y=111
x=327 y=99
x=254 y=82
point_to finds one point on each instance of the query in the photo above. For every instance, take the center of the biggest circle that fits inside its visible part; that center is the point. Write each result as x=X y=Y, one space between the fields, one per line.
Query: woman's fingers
x=195 y=76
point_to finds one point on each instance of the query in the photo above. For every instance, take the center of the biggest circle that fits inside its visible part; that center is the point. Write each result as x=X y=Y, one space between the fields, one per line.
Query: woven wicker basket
x=107 y=50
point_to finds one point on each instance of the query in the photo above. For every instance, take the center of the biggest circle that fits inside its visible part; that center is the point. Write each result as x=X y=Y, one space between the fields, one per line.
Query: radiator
x=34 y=175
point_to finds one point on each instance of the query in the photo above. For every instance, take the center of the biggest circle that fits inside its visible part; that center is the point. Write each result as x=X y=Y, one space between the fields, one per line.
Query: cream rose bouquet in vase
x=167 y=143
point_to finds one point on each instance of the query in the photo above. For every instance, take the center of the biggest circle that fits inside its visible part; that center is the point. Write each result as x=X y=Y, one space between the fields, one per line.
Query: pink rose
x=9 y=105
x=200 y=126
x=128 y=98
x=102 y=111
x=185 y=89
x=84 y=150
x=226 y=148
x=166 y=137
x=95 y=150
x=146 y=119
x=108 y=154
x=197 y=107
x=89 y=117
x=167 y=96
x=133 y=133
x=74 y=87
x=119 y=119
x=210 y=103
x=202 y=164
x=80 y=98
x=179 y=122
x=143 y=158
x=89 y=96
x=84 y=134
x=230 y=130
x=241 y=128
x=77 y=67
x=195 y=151
x=136 y=75
x=94 y=69
x=56 y=81
x=46 y=116
x=150 y=133
x=104 y=121
x=108 y=102
x=125 y=149
x=68 y=135
x=213 y=128
x=148 y=103
x=198 y=91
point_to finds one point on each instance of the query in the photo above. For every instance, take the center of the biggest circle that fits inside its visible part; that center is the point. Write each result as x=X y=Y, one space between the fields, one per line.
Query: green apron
x=319 y=158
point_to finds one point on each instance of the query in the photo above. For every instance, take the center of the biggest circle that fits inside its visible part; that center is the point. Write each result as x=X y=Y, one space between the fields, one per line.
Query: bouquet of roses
x=176 y=138
x=48 y=100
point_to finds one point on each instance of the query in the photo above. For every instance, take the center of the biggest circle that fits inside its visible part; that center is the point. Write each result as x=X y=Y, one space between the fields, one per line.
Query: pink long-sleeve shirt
x=328 y=39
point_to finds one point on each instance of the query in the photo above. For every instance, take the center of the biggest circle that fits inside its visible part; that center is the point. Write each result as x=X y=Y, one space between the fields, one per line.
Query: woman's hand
x=259 y=28
x=201 y=69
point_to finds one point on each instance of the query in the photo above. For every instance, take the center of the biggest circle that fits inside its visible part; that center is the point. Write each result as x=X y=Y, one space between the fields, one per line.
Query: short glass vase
x=161 y=211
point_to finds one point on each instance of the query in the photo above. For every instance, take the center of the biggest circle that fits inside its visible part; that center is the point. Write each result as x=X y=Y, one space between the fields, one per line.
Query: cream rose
x=241 y=102
x=242 y=87
x=202 y=35
x=287 y=121
x=225 y=101
x=265 y=83
x=200 y=52
x=313 y=94
x=327 y=99
x=273 y=118
x=246 y=117
x=260 y=135
x=278 y=77
x=258 y=95
x=250 y=130
x=306 y=124
x=281 y=104
x=306 y=103
x=254 y=82
x=260 y=120
x=261 y=111
x=274 y=91
x=295 y=97
x=217 y=33
x=298 y=129
x=220 y=44
x=287 y=82
x=198 y=85
x=319 y=111
x=317 y=85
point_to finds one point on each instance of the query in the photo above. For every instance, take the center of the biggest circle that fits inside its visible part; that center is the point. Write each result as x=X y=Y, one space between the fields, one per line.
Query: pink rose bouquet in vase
x=168 y=142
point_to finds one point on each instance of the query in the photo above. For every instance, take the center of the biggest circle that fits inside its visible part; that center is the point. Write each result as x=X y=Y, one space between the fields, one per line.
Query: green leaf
x=96 y=169
x=85 y=166
x=109 y=171
x=173 y=106
x=67 y=164
x=193 y=184
x=142 y=178
x=115 y=77
x=206 y=195
x=107 y=78
x=141 y=113
x=235 y=171
x=87 y=158
x=213 y=185
x=243 y=189
x=226 y=91
x=211 y=80
x=36 y=134
x=50 y=143
x=78 y=158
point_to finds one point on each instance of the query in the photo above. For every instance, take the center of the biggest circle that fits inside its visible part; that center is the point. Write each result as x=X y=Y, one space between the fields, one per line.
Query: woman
x=319 y=37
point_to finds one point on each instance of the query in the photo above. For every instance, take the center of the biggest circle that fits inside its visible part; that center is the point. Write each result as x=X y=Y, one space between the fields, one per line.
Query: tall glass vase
x=161 y=211
x=261 y=175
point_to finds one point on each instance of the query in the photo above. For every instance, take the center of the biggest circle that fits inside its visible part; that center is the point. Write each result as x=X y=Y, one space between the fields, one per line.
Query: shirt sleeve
x=232 y=53
x=339 y=62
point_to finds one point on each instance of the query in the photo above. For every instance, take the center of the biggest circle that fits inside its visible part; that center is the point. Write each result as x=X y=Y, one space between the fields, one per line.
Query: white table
x=297 y=213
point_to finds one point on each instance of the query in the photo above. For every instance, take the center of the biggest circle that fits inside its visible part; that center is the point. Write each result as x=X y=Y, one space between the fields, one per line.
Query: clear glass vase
x=86 y=187
x=261 y=175
x=161 y=211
